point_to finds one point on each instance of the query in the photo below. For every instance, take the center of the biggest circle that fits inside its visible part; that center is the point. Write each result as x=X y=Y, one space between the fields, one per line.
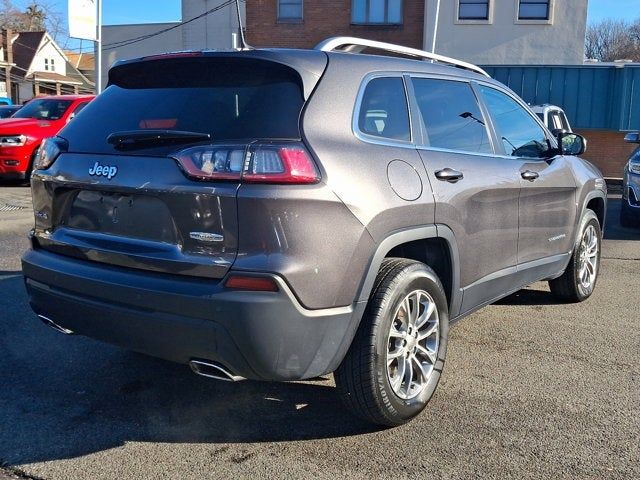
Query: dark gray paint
x=323 y=244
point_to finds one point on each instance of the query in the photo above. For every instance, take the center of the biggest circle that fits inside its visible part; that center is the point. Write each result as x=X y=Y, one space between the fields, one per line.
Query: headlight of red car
x=12 y=140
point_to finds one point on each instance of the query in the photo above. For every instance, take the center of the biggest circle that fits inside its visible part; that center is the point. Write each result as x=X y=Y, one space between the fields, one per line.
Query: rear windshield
x=227 y=98
x=44 y=109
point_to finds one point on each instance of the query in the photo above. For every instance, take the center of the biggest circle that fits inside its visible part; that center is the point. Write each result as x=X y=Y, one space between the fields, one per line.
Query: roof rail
x=357 y=45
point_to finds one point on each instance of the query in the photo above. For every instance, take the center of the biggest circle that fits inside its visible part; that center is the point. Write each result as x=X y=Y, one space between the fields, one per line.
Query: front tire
x=579 y=279
x=394 y=364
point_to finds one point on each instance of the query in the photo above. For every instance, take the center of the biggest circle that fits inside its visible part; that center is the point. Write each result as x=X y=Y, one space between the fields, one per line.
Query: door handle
x=529 y=175
x=449 y=175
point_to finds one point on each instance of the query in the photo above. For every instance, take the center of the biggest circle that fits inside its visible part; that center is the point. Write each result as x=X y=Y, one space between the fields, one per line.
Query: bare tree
x=37 y=16
x=611 y=40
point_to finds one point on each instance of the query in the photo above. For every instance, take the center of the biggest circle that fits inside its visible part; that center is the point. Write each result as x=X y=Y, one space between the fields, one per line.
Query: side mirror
x=572 y=143
x=633 y=137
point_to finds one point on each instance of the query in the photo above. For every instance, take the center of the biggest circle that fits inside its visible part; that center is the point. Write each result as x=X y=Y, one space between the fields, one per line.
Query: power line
x=123 y=43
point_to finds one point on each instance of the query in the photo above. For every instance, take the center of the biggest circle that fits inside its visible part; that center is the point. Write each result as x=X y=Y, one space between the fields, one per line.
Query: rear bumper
x=257 y=335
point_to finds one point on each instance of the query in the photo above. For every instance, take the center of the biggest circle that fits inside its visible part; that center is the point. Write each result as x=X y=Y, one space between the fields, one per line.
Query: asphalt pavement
x=531 y=389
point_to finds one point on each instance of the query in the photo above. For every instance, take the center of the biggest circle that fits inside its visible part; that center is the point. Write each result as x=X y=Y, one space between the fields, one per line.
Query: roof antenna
x=245 y=45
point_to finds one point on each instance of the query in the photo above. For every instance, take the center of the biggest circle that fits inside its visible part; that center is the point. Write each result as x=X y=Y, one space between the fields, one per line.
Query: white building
x=212 y=31
x=509 y=32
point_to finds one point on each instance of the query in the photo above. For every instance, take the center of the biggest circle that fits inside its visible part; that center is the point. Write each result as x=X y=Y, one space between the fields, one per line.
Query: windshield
x=211 y=98
x=46 y=109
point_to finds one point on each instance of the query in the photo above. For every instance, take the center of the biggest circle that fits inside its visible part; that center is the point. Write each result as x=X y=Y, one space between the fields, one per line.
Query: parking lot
x=531 y=389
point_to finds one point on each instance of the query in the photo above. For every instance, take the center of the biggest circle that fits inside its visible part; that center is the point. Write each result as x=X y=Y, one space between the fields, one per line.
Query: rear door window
x=227 y=98
x=384 y=112
x=451 y=116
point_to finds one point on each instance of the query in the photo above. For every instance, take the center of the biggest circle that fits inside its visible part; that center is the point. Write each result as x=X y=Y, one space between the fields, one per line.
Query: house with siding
x=40 y=67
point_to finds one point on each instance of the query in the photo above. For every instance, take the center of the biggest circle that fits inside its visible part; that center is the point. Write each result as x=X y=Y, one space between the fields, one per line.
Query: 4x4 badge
x=108 y=171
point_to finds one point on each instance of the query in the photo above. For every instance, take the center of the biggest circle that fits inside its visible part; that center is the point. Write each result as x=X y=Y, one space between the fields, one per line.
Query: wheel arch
x=597 y=202
x=434 y=245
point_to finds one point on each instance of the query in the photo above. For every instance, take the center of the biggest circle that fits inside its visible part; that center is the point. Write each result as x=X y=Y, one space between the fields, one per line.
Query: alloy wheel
x=412 y=345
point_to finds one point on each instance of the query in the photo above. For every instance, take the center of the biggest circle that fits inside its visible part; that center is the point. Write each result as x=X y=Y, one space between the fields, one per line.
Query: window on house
x=46 y=64
x=289 y=9
x=473 y=10
x=533 y=10
x=53 y=67
x=380 y=12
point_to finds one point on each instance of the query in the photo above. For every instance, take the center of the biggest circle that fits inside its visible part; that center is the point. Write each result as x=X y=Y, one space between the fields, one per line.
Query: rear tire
x=394 y=364
x=579 y=279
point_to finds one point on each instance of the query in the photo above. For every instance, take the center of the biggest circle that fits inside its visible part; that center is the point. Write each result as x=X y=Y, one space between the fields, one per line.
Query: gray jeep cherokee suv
x=283 y=214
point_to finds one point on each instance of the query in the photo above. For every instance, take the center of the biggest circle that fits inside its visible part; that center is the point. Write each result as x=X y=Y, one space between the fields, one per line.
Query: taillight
x=278 y=164
x=255 y=163
x=213 y=162
x=50 y=150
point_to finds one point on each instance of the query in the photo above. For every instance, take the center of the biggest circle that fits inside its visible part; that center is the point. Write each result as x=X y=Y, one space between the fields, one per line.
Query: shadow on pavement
x=530 y=297
x=64 y=397
x=14 y=183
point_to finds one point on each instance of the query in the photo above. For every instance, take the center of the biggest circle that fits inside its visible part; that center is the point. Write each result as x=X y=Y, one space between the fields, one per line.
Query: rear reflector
x=256 y=163
x=258 y=284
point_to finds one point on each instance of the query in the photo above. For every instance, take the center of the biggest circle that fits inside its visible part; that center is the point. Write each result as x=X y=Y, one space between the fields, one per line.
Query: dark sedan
x=8 y=110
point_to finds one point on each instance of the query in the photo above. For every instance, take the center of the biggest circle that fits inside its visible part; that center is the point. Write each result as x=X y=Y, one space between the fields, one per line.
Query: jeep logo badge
x=103 y=171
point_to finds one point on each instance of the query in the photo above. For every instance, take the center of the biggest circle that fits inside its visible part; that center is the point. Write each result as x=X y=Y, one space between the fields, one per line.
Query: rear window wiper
x=139 y=138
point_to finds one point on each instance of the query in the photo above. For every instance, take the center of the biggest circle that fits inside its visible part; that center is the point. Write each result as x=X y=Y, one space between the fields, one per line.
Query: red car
x=22 y=134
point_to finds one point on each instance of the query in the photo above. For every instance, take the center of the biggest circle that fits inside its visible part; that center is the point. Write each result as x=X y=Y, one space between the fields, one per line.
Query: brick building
x=487 y=32
x=303 y=24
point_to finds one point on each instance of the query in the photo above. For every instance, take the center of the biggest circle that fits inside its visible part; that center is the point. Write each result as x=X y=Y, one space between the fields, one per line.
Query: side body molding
x=409 y=235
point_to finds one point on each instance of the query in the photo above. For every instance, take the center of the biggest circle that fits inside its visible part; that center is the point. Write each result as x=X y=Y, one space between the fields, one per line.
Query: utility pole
x=98 y=65
x=435 y=27
x=8 y=48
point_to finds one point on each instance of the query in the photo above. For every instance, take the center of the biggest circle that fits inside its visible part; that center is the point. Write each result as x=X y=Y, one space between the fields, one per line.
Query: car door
x=547 y=204
x=476 y=191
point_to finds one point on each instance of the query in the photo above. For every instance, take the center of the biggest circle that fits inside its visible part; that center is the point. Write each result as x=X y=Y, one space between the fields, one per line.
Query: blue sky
x=619 y=9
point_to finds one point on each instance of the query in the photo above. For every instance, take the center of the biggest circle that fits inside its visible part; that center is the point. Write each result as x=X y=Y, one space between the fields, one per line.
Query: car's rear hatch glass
x=129 y=203
x=226 y=98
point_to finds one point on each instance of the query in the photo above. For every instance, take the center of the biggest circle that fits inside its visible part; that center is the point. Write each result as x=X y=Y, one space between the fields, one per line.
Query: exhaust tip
x=50 y=323
x=213 y=370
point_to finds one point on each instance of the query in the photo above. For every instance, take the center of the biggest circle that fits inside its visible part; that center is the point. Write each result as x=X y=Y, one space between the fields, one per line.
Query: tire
x=364 y=378
x=27 y=174
x=572 y=286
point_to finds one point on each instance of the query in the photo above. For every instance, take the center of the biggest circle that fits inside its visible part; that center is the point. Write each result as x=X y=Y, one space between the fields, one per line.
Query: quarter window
x=289 y=10
x=473 y=10
x=380 y=12
x=451 y=116
x=384 y=112
x=521 y=135
x=533 y=10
